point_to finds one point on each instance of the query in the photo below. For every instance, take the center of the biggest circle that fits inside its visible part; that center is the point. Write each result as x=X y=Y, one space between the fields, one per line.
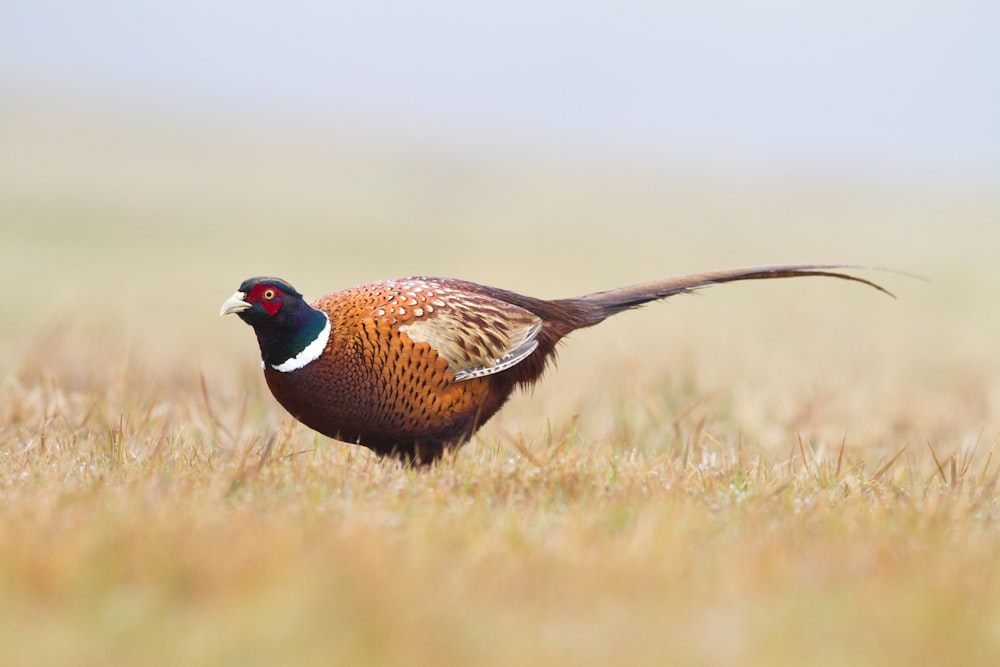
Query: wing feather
x=477 y=334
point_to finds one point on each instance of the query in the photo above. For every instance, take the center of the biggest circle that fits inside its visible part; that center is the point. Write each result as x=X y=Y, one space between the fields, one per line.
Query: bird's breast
x=374 y=384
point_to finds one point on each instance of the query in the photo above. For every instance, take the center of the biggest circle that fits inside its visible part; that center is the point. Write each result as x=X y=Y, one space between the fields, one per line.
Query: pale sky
x=887 y=88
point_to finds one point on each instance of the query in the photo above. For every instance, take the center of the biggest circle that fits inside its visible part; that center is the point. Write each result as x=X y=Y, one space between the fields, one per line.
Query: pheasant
x=415 y=366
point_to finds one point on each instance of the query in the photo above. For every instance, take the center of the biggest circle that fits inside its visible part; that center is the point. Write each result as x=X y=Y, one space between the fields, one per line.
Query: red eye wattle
x=267 y=296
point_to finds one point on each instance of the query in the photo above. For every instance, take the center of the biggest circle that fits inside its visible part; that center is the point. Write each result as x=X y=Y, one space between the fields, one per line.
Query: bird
x=411 y=368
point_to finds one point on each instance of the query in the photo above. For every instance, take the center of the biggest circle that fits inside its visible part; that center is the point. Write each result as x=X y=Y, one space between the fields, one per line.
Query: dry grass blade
x=937 y=462
x=519 y=445
x=802 y=453
x=971 y=454
x=247 y=472
x=559 y=441
x=265 y=453
x=208 y=410
x=888 y=464
x=988 y=461
x=840 y=458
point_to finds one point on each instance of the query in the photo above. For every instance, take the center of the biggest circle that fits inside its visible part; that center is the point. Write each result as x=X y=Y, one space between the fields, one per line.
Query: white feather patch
x=309 y=353
x=512 y=358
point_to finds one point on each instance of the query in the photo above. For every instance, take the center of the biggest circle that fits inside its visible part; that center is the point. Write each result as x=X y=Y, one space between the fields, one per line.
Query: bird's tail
x=591 y=309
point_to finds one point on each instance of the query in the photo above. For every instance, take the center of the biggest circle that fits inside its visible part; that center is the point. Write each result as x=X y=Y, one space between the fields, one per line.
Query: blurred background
x=155 y=154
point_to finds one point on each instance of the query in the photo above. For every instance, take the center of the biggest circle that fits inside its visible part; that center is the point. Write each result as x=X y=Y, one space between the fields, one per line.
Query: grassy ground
x=781 y=473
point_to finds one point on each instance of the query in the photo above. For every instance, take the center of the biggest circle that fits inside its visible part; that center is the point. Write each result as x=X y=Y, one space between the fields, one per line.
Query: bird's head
x=290 y=332
x=263 y=301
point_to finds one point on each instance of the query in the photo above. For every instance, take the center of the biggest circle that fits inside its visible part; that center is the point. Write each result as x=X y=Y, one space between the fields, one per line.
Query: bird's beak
x=234 y=304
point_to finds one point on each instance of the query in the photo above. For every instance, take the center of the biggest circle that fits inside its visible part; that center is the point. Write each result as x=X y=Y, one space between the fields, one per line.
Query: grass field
x=785 y=473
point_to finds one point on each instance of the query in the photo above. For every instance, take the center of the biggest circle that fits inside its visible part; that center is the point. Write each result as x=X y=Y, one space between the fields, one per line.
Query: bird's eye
x=268 y=294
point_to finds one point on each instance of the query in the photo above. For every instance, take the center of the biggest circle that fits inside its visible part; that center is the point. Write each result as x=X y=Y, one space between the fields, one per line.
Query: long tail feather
x=601 y=305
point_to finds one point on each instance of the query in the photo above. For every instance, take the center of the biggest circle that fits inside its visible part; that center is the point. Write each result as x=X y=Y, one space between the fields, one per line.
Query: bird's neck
x=297 y=343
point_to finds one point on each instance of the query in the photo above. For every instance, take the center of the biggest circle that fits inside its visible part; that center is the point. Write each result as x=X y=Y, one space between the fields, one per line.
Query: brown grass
x=774 y=474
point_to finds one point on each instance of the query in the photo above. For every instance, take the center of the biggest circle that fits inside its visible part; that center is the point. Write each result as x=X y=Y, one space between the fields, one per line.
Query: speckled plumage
x=416 y=365
x=382 y=388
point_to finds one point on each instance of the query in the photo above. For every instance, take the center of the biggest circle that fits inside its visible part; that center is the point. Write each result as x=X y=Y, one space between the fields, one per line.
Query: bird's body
x=414 y=366
x=382 y=381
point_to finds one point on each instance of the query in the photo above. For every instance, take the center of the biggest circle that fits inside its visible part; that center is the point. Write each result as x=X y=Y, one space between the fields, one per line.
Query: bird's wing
x=478 y=335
